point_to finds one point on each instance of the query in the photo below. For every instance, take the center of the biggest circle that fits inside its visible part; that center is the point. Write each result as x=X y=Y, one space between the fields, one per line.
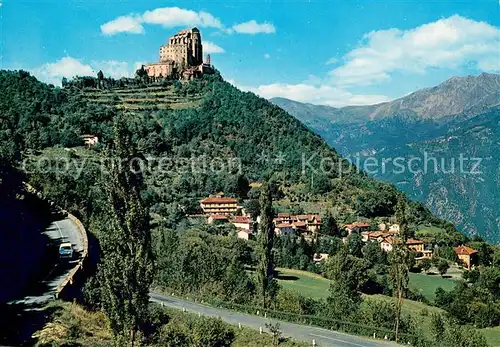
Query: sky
x=331 y=52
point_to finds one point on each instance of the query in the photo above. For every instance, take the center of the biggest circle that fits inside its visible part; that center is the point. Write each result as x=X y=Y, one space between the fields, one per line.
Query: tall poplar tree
x=126 y=270
x=266 y=283
x=398 y=275
x=399 y=260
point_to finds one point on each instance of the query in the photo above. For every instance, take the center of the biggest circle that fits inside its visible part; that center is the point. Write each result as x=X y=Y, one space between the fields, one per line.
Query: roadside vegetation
x=73 y=325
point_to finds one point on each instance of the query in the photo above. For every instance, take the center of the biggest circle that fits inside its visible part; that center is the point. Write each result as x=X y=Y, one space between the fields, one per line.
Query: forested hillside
x=220 y=142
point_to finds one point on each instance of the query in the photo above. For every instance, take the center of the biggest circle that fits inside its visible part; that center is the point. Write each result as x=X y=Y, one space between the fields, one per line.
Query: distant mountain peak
x=459 y=95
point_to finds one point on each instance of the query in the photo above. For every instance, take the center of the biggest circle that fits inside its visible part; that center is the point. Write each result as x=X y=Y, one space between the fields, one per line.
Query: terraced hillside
x=147 y=98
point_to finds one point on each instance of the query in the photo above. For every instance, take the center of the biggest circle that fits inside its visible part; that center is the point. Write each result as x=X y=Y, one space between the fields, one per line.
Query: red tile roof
x=357 y=225
x=219 y=217
x=463 y=250
x=219 y=200
x=240 y=219
x=414 y=242
x=391 y=240
x=284 y=225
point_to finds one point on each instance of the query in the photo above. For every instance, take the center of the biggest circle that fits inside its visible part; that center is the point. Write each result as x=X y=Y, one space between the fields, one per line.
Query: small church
x=181 y=57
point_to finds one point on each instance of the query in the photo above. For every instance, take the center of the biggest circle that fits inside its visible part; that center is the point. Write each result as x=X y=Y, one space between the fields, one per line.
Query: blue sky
x=324 y=52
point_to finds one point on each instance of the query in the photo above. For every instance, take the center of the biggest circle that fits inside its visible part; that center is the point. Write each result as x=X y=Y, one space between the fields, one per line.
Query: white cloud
x=65 y=67
x=124 y=24
x=168 y=17
x=252 y=27
x=70 y=67
x=212 y=48
x=174 y=16
x=267 y=56
x=450 y=43
x=322 y=95
x=447 y=43
x=116 y=69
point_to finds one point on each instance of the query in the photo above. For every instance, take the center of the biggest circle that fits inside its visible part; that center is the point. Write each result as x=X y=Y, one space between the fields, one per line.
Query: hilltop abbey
x=181 y=57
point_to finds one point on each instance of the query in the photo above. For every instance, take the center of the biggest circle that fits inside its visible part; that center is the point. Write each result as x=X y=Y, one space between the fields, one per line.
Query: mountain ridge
x=469 y=128
x=457 y=95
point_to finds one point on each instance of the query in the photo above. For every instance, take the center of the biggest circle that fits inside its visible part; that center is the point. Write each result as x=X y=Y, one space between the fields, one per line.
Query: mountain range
x=439 y=145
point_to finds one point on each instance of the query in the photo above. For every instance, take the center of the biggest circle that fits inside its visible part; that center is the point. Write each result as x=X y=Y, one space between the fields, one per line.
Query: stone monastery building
x=181 y=57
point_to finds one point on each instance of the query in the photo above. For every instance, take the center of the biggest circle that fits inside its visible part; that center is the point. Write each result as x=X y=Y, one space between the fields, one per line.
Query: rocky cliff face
x=459 y=117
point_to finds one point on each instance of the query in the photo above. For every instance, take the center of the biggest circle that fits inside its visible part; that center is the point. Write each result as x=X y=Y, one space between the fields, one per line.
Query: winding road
x=59 y=231
x=64 y=230
x=306 y=333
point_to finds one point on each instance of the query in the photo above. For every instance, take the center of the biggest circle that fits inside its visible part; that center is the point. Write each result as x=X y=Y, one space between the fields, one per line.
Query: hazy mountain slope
x=421 y=122
x=468 y=195
x=469 y=96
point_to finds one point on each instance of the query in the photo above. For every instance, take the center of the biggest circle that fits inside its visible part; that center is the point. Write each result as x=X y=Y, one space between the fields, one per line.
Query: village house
x=303 y=223
x=90 y=140
x=244 y=234
x=387 y=244
x=467 y=255
x=356 y=228
x=241 y=222
x=219 y=204
x=282 y=229
x=415 y=245
x=389 y=228
x=320 y=257
x=376 y=235
x=217 y=219
x=312 y=221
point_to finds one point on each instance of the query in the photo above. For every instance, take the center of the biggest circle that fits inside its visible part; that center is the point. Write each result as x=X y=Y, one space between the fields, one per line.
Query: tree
x=400 y=214
x=141 y=74
x=373 y=253
x=437 y=326
x=330 y=226
x=355 y=245
x=100 y=78
x=426 y=264
x=398 y=275
x=443 y=267
x=266 y=283
x=347 y=274
x=252 y=208
x=126 y=270
x=242 y=186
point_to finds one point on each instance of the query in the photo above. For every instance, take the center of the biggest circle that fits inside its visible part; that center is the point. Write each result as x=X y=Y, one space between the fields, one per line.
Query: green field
x=430 y=230
x=492 y=336
x=316 y=286
x=427 y=284
x=306 y=283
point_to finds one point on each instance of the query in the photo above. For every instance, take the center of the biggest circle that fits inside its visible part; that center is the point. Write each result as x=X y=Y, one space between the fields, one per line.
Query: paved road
x=322 y=337
x=58 y=232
